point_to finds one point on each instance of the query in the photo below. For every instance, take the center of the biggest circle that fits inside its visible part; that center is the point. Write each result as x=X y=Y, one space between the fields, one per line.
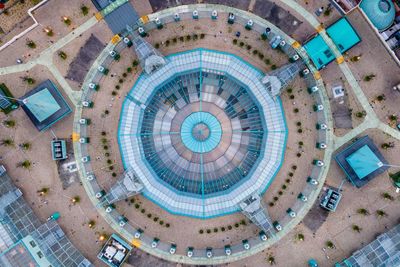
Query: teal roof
x=364 y=161
x=380 y=12
x=42 y=104
x=319 y=52
x=343 y=35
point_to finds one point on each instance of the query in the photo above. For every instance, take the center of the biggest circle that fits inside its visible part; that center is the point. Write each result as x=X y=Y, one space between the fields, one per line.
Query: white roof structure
x=234 y=149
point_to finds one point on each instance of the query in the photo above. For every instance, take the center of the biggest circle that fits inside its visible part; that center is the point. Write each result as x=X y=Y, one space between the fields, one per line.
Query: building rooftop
x=121 y=17
x=343 y=36
x=45 y=105
x=380 y=12
x=383 y=251
x=24 y=240
x=209 y=135
x=361 y=161
x=115 y=251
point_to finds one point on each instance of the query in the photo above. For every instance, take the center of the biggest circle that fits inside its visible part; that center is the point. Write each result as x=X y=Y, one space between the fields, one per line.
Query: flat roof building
x=383 y=251
x=24 y=240
x=361 y=161
x=343 y=36
x=45 y=105
x=115 y=251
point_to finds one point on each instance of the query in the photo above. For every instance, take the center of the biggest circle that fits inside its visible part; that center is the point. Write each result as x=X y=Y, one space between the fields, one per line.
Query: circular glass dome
x=200 y=128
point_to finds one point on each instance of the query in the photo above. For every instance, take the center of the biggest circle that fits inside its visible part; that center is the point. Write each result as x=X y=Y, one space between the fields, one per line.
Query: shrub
x=241 y=44
x=223 y=229
x=208 y=231
x=142 y=210
x=157 y=45
x=85 y=10
x=167 y=225
x=174 y=40
x=120 y=80
x=298 y=154
x=291 y=174
x=109 y=161
x=124 y=75
x=301 y=143
x=356 y=228
x=230 y=227
x=284 y=187
x=114 y=174
x=161 y=222
x=280 y=193
x=329 y=244
x=137 y=206
x=267 y=61
x=31 y=44
x=149 y=215
x=271 y=204
x=188 y=37
x=294 y=167
x=202 y=35
x=155 y=219
x=276 y=198
x=135 y=63
x=117 y=87
x=62 y=55
x=248 y=47
x=201 y=231
x=291 y=96
x=274 y=67
x=363 y=211
x=260 y=56
x=235 y=41
x=9 y=123
x=167 y=43
x=300 y=130
x=215 y=230
x=195 y=37
x=236 y=225
x=181 y=38
x=113 y=93
x=288 y=181
x=296 y=110
x=387 y=196
x=103 y=133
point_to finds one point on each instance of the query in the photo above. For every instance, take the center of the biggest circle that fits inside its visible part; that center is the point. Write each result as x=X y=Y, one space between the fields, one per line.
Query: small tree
x=387 y=196
x=29 y=80
x=369 y=77
x=26 y=164
x=85 y=10
x=76 y=199
x=381 y=213
x=271 y=260
x=62 y=55
x=356 y=228
x=92 y=223
x=66 y=20
x=44 y=191
x=363 y=211
x=31 y=44
x=9 y=123
x=300 y=237
x=329 y=244
x=26 y=146
x=7 y=142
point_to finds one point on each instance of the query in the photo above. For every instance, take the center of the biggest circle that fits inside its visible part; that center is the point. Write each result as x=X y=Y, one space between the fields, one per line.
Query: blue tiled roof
x=380 y=12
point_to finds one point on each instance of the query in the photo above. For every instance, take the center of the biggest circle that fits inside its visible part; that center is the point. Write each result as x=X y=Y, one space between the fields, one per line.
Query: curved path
x=371 y=120
x=162 y=251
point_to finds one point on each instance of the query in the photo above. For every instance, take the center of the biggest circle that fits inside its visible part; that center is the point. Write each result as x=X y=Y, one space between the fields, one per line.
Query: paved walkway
x=371 y=119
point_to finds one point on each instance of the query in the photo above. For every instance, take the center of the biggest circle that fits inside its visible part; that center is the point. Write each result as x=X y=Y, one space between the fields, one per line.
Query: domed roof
x=380 y=12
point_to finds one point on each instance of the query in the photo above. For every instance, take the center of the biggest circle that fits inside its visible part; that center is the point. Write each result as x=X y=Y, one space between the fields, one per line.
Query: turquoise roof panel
x=380 y=12
x=42 y=104
x=319 y=52
x=364 y=161
x=343 y=35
